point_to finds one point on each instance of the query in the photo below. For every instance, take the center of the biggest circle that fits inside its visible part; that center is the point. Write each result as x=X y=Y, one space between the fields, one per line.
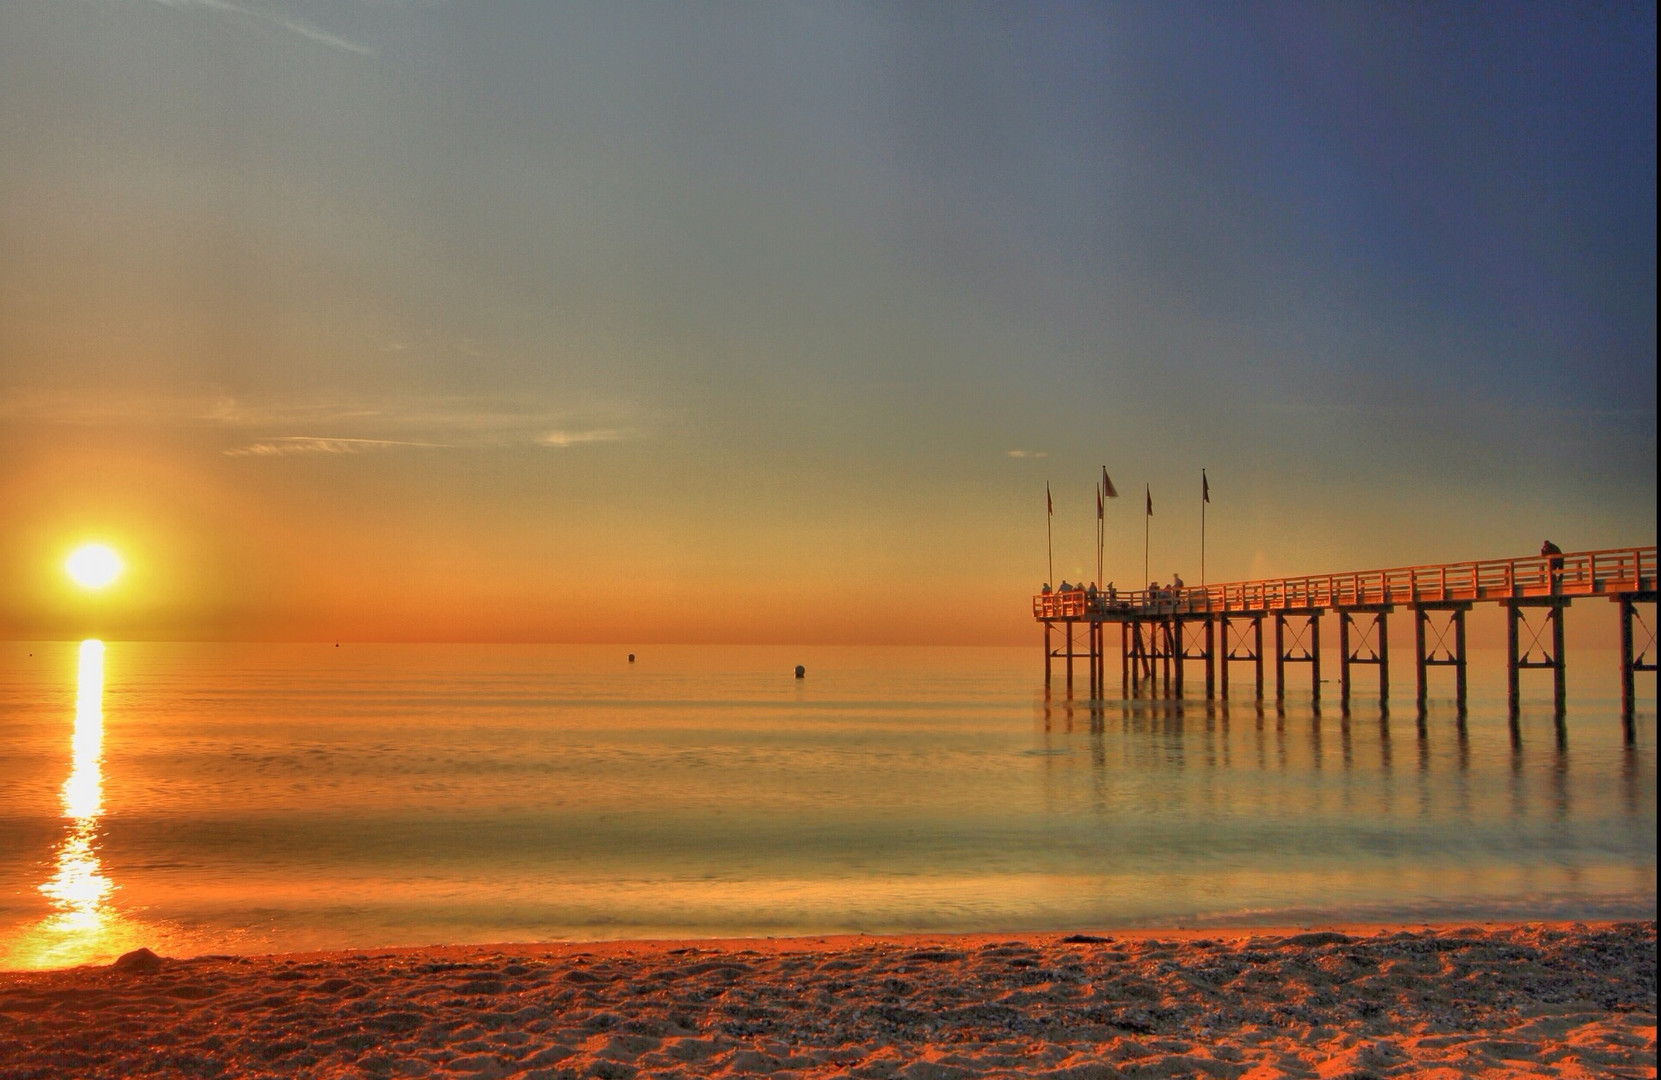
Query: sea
x=257 y=798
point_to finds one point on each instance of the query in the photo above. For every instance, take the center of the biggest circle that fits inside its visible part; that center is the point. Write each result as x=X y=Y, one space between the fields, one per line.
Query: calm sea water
x=253 y=798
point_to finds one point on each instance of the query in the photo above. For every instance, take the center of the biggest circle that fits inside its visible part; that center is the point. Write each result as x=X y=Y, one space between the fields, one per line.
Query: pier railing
x=1615 y=572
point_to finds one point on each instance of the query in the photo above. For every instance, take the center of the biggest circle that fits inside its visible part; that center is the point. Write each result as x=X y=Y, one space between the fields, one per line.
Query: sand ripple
x=1569 y=1001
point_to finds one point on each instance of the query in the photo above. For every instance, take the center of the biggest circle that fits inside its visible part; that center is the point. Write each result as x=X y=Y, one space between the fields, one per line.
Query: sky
x=770 y=322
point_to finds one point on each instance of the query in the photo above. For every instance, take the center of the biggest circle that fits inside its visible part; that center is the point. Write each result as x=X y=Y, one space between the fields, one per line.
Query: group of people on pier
x=1109 y=597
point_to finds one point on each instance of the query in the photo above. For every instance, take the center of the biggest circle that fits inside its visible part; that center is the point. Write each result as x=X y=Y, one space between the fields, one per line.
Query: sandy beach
x=1458 y=1001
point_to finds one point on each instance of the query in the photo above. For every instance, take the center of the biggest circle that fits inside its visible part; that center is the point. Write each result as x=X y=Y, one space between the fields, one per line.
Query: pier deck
x=1161 y=629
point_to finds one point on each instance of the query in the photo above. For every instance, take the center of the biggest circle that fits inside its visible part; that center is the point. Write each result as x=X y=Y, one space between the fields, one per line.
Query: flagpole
x=1205 y=497
x=1101 y=523
x=1147 y=526
x=1104 y=491
x=1049 y=532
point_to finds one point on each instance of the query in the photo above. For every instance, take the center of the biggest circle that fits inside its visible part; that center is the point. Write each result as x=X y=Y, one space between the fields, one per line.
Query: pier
x=1163 y=631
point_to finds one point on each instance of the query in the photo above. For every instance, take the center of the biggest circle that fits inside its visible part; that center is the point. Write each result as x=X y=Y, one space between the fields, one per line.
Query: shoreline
x=781 y=943
x=1352 y=999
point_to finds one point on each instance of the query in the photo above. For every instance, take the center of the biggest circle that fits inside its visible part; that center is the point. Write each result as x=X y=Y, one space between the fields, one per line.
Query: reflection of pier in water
x=1161 y=630
x=1199 y=734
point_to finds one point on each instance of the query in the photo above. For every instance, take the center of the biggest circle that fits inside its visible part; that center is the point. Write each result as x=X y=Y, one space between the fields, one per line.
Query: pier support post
x=1380 y=655
x=1628 y=690
x=1228 y=656
x=1090 y=657
x=1455 y=655
x=1555 y=661
x=1186 y=646
x=1210 y=658
x=1133 y=656
x=1384 y=657
x=1177 y=644
x=1222 y=620
x=1632 y=661
x=1124 y=659
x=1560 y=662
x=1459 y=682
x=1150 y=655
x=1101 y=658
x=1169 y=656
x=1098 y=660
x=1257 y=647
x=1098 y=646
x=1280 y=657
x=1343 y=658
x=1315 y=656
x=1067 y=624
x=1419 y=619
x=1049 y=652
x=1513 y=690
x=1311 y=652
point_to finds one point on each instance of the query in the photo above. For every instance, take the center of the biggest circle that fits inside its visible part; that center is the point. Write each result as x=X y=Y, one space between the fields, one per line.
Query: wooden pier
x=1163 y=630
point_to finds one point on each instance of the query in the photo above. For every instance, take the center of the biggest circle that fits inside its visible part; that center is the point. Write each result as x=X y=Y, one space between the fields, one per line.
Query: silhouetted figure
x=1554 y=560
x=801 y=672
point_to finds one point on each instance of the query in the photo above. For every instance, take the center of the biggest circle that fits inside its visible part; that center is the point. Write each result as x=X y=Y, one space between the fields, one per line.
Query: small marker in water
x=631 y=658
x=801 y=672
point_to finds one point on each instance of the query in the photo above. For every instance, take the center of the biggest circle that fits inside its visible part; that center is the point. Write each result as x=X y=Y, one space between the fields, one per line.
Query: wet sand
x=1458 y=1001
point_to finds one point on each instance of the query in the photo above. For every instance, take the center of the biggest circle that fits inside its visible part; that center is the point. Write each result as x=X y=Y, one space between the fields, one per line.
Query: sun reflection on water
x=82 y=926
x=79 y=889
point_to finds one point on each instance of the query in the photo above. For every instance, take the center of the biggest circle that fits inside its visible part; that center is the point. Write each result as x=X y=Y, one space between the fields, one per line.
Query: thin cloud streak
x=1029 y=453
x=478 y=419
x=560 y=439
x=308 y=444
x=296 y=26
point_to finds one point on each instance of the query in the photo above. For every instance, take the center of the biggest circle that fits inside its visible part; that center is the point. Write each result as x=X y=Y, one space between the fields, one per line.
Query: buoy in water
x=801 y=672
x=631 y=658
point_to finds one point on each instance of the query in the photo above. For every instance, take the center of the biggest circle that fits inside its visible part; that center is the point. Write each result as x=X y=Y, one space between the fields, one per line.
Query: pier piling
x=1454 y=655
x=1552 y=658
x=1380 y=655
x=1631 y=662
x=1310 y=655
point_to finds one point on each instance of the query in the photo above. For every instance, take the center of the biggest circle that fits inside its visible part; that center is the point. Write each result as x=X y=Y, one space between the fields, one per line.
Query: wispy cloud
x=572 y=438
x=311 y=444
x=271 y=18
x=1029 y=453
x=268 y=426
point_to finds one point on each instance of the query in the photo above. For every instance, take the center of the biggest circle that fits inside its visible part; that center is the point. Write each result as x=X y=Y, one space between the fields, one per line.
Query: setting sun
x=93 y=566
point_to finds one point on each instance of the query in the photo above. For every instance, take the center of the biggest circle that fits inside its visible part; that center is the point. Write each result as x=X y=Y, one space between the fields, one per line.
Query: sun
x=93 y=566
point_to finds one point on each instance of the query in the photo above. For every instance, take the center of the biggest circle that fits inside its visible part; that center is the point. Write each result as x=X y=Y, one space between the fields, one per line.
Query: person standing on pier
x=1554 y=562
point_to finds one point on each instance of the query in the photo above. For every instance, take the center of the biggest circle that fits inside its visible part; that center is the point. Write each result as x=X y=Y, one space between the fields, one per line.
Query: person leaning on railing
x=1554 y=562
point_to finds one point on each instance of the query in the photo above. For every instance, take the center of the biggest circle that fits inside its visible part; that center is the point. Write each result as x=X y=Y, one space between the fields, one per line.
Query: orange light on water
x=83 y=792
x=82 y=927
x=79 y=888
